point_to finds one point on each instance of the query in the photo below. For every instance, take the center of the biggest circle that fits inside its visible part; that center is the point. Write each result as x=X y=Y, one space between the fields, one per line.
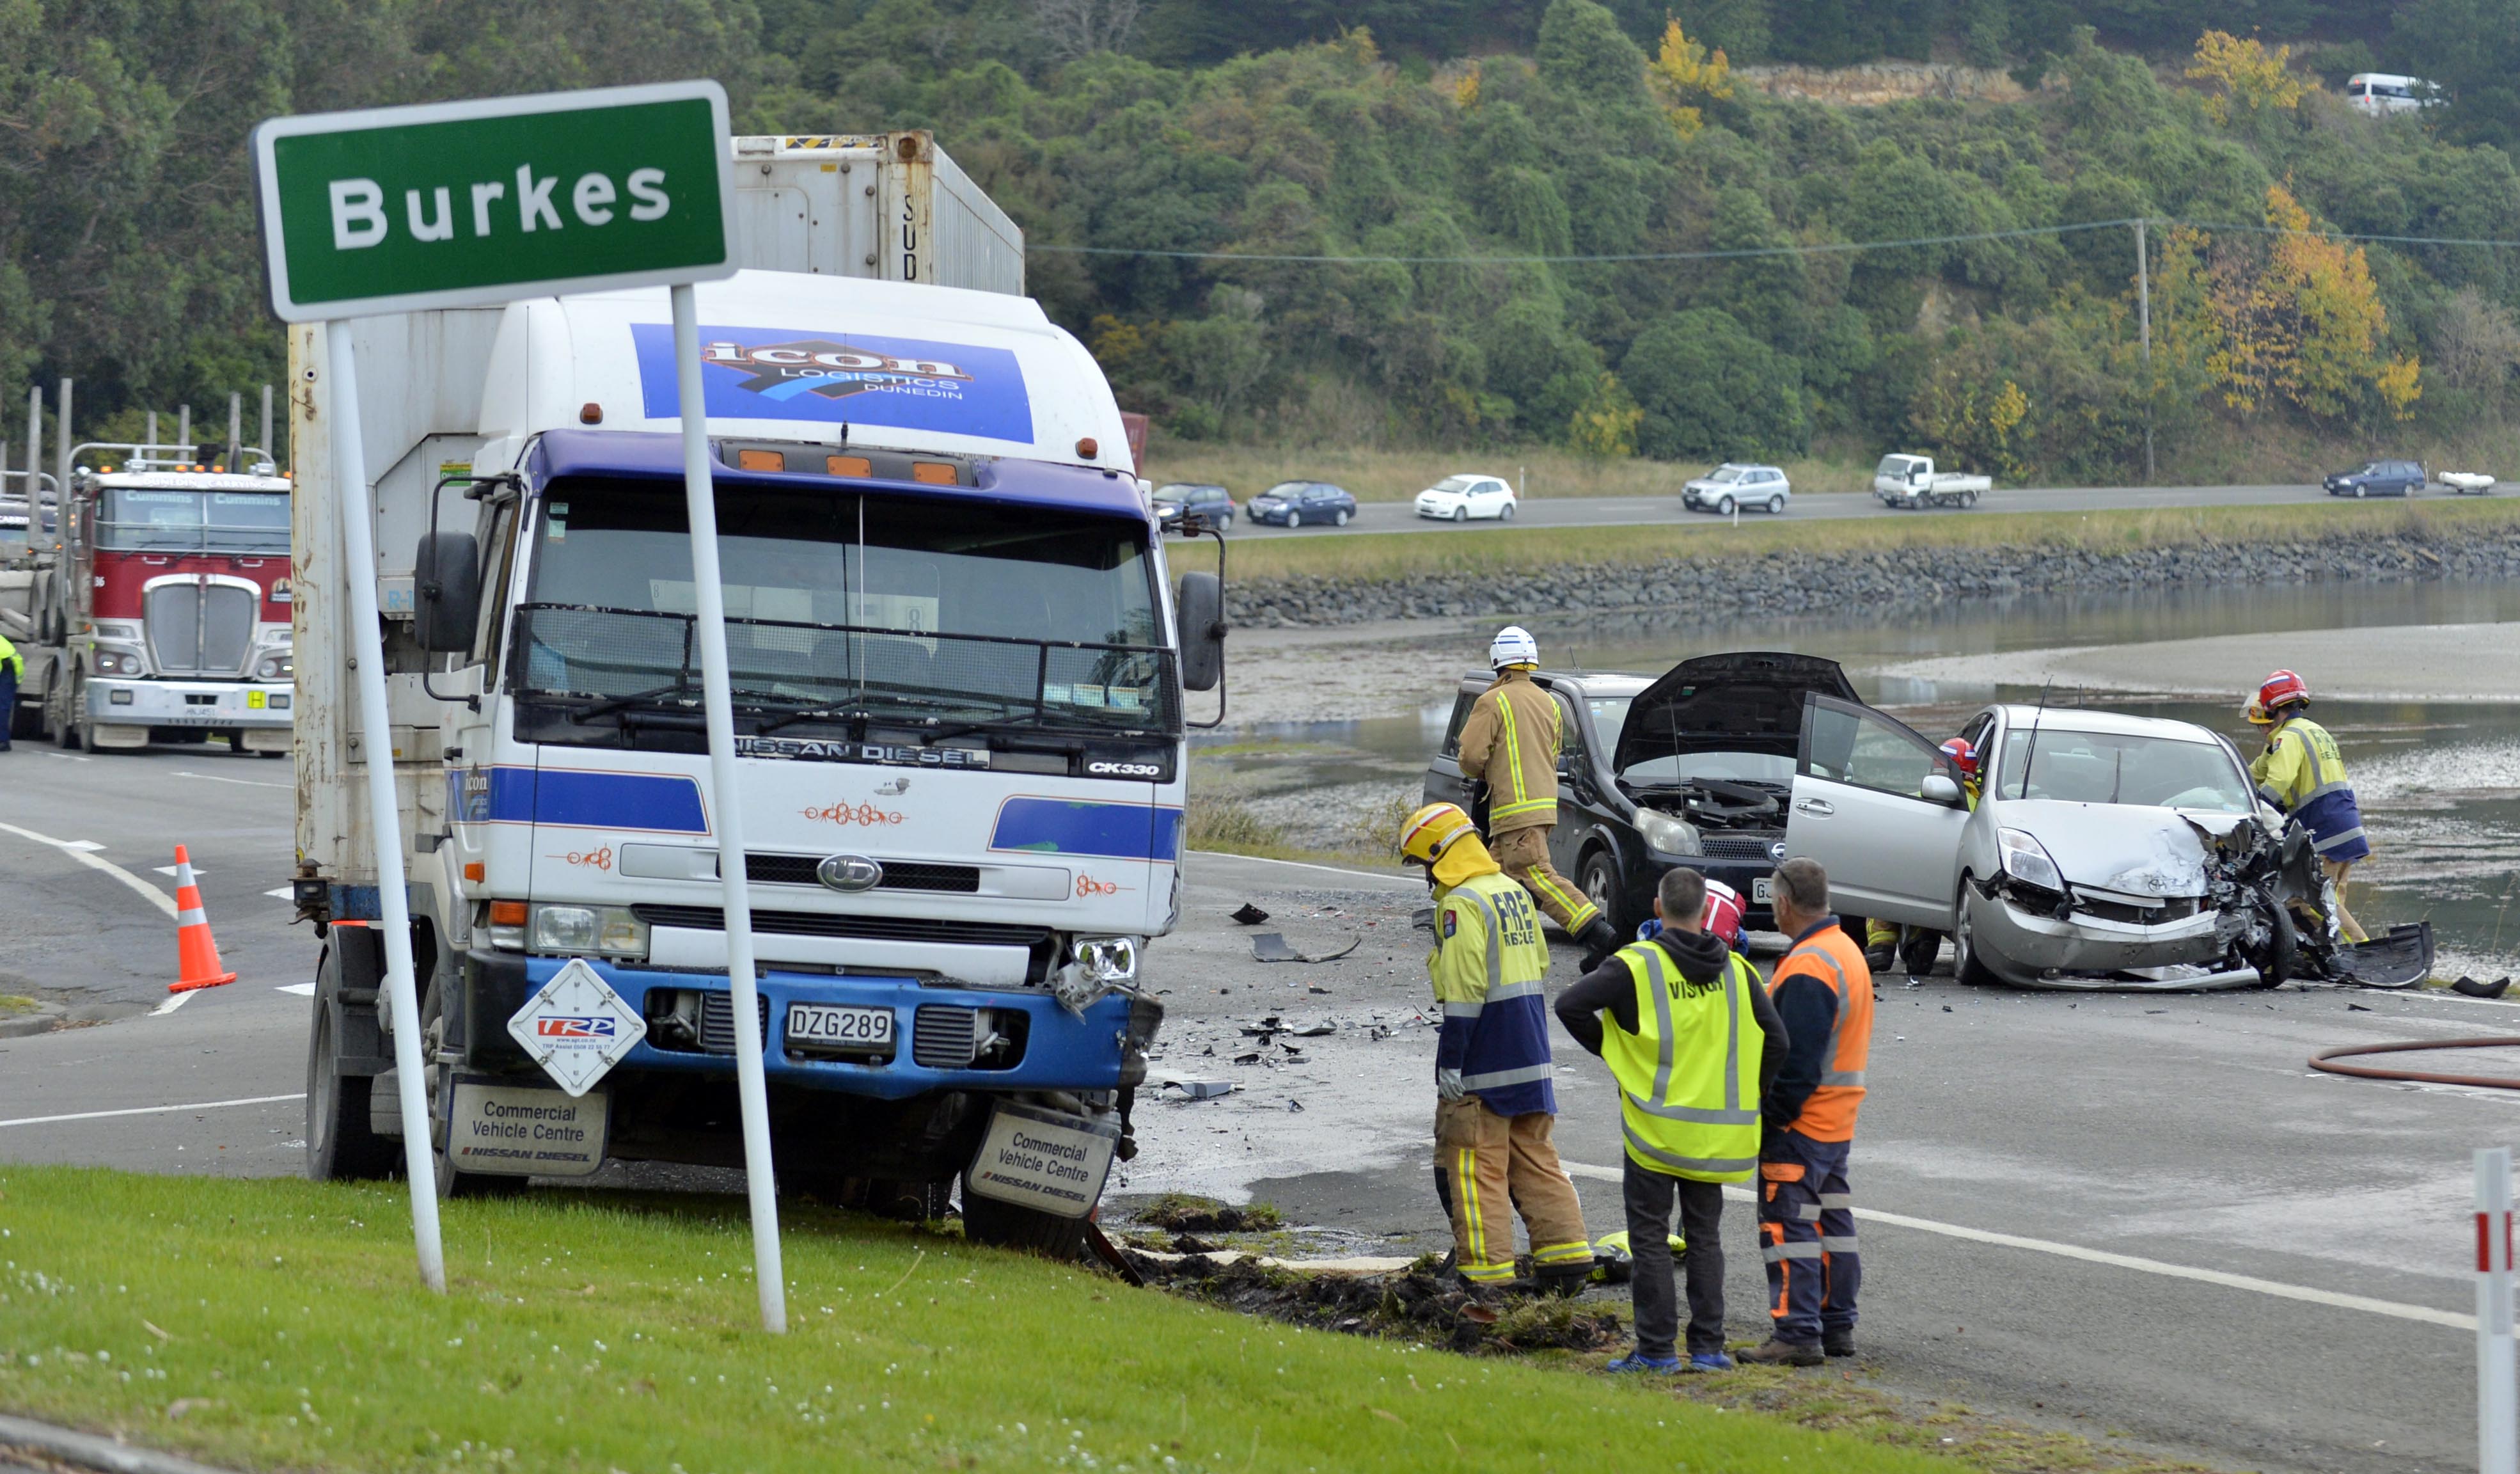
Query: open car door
x=1860 y=808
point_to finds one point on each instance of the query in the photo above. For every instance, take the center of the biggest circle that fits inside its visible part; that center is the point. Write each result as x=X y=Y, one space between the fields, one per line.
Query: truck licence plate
x=836 y=1026
x=1761 y=891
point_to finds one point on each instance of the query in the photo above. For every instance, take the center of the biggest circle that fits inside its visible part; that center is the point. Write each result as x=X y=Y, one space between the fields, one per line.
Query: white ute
x=1910 y=481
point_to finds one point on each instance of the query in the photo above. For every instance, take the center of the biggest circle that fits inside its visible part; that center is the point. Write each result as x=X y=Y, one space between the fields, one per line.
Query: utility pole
x=2143 y=326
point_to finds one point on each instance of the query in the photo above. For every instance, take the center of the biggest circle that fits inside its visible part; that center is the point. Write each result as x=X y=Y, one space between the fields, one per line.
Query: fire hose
x=2330 y=1060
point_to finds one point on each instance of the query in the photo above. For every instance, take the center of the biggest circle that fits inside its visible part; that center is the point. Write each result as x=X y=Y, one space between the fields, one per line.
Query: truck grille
x=943 y=1038
x=717 y=1022
x=869 y=927
x=898 y=875
x=197 y=628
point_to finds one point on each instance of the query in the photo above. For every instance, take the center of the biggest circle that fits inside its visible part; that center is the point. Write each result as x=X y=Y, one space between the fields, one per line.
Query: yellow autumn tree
x=2310 y=328
x=1687 y=76
x=1605 y=423
x=2251 y=76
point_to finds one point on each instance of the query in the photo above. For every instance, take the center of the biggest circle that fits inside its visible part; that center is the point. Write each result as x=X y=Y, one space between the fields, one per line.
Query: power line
x=1832 y=247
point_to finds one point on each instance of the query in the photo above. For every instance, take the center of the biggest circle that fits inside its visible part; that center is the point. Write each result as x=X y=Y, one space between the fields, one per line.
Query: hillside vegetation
x=1500 y=225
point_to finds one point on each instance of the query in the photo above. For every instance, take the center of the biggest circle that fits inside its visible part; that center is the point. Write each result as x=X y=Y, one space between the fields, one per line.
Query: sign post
x=2497 y=1388
x=475 y=204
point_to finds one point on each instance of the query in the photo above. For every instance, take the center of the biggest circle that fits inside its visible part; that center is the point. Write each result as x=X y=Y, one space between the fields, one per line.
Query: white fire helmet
x=1513 y=646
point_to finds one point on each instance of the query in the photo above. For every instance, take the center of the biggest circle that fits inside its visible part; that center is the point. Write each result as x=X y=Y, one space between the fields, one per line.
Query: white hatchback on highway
x=1762 y=488
x=1464 y=498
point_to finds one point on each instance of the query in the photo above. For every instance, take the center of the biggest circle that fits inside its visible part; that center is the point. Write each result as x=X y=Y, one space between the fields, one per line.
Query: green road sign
x=451 y=205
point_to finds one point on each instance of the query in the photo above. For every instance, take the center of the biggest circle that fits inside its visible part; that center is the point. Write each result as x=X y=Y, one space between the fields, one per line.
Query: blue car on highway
x=2379 y=479
x=1295 y=504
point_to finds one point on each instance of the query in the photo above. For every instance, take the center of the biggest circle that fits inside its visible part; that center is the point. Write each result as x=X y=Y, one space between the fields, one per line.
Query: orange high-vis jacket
x=1513 y=739
x=1831 y=957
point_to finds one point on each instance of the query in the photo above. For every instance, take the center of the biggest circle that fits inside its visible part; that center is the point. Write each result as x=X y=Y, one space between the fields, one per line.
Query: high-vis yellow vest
x=1688 y=1078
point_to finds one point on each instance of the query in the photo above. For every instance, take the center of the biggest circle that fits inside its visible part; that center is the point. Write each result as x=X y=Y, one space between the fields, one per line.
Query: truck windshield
x=161 y=520
x=849 y=606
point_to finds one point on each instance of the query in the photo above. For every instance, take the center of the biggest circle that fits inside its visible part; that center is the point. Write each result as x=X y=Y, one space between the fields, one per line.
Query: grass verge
x=278 y=1324
x=1372 y=556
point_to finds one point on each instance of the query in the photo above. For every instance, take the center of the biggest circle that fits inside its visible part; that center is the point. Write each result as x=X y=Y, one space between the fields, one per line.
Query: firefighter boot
x=1598 y=940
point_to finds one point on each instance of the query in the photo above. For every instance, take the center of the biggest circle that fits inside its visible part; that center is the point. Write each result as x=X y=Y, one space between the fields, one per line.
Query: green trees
x=1708 y=387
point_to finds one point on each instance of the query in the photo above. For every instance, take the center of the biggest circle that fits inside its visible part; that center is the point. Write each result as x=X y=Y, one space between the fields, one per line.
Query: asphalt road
x=2140 y=1218
x=1638 y=511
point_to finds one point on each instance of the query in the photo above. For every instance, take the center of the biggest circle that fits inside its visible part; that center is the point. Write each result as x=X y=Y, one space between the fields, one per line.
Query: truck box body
x=959 y=709
x=889 y=205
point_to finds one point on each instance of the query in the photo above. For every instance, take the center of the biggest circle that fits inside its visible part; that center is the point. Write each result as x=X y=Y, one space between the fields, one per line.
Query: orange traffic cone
x=197 y=954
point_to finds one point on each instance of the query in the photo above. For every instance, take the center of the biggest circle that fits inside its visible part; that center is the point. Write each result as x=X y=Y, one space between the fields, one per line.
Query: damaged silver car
x=2104 y=852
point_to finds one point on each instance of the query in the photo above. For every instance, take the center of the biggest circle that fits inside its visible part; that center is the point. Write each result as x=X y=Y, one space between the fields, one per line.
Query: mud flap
x=2404 y=959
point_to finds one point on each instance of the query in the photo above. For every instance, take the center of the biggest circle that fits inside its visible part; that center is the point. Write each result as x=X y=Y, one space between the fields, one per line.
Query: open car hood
x=1748 y=701
x=2126 y=848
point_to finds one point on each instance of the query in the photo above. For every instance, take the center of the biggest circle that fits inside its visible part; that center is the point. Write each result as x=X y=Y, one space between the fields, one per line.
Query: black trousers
x=1648 y=1197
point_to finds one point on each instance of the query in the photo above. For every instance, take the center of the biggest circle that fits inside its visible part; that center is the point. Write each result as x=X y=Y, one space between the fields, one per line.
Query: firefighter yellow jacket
x=1511 y=740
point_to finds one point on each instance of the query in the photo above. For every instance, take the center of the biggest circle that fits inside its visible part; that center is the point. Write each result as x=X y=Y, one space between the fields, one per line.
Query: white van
x=2379 y=93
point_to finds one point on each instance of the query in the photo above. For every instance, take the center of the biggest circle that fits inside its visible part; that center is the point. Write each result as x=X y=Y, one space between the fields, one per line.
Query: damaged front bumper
x=2031 y=949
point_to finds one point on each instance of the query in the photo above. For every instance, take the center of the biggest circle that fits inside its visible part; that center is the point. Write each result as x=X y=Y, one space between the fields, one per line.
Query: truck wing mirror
x=446 y=591
x=1200 y=610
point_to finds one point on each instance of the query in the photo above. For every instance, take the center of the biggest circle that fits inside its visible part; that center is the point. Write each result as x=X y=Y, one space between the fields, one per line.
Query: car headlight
x=275 y=667
x=1668 y=835
x=2026 y=860
x=608 y=929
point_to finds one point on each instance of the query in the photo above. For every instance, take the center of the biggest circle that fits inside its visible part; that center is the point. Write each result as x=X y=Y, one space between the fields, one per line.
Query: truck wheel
x=1005 y=1226
x=1970 y=500
x=339 y=1147
x=451 y=1182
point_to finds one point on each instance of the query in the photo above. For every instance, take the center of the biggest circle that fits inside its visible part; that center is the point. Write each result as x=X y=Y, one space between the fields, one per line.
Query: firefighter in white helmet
x=1510 y=743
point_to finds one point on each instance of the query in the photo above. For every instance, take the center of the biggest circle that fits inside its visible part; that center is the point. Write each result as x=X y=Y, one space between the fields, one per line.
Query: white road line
x=157 y=897
x=173 y=1003
x=67 y=757
x=302 y=989
x=1262 y=860
x=2276 y=1288
x=81 y=845
x=240 y=782
x=168 y=871
x=165 y=1110
x=281 y=893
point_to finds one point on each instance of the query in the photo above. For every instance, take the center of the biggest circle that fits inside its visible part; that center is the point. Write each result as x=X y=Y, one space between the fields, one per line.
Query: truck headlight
x=611 y=931
x=2026 y=860
x=275 y=667
x=116 y=663
x=1106 y=959
x=1667 y=835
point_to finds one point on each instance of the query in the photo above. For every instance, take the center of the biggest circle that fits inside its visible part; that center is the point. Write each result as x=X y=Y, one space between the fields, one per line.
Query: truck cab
x=958 y=667
x=169 y=618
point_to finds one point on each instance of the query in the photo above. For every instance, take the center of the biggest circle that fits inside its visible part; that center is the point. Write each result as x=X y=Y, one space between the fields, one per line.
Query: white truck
x=1910 y=481
x=958 y=664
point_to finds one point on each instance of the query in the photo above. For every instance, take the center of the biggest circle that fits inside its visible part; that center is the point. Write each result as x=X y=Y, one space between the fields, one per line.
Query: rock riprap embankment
x=1796 y=582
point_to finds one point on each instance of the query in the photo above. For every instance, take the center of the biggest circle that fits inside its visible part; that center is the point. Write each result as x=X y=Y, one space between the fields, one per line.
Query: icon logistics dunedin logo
x=783 y=374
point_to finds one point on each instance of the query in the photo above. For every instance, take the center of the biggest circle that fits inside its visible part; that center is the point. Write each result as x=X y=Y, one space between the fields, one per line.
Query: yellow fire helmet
x=2257 y=713
x=1442 y=838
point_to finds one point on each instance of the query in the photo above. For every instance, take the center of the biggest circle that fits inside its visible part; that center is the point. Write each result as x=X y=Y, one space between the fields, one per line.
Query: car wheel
x=1598 y=876
x=1460 y=514
x=2361 y=491
x=1966 y=966
x=1919 y=949
x=1775 y=504
x=1507 y=513
x=1723 y=506
x=1340 y=521
x=1294 y=519
x=2275 y=962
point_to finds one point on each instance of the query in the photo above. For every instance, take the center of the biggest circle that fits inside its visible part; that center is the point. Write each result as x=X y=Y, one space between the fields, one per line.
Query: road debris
x=1272 y=946
x=2468 y=986
x=1188 y=1213
x=1418 y=1302
x=1192 y=1089
x=1249 y=914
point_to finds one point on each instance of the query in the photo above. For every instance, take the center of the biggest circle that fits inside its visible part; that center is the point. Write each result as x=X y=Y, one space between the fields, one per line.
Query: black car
x=1296 y=503
x=1209 y=503
x=1693 y=768
x=2379 y=479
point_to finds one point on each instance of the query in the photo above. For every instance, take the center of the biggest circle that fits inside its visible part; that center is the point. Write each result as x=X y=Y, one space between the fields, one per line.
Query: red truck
x=161 y=611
